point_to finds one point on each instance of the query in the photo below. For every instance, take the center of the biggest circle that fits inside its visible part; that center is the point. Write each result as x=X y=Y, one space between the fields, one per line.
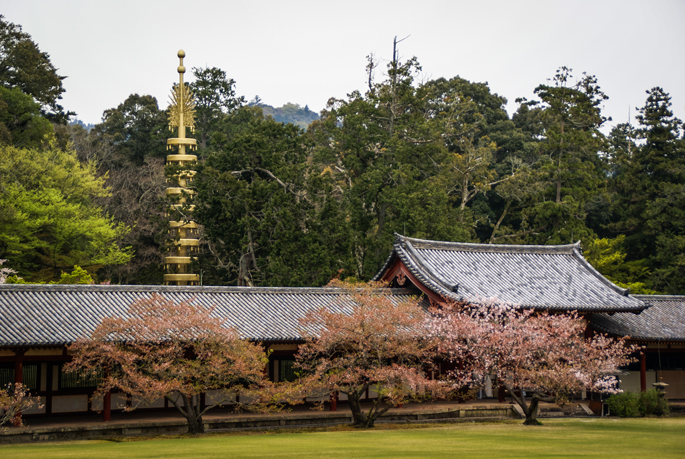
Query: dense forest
x=283 y=206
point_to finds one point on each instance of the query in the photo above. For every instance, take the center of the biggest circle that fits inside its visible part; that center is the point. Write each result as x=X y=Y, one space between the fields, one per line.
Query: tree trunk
x=531 y=411
x=359 y=418
x=193 y=414
x=195 y=424
x=190 y=410
x=499 y=222
x=561 y=149
x=532 y=414
x=367 y=420
x=464 y=193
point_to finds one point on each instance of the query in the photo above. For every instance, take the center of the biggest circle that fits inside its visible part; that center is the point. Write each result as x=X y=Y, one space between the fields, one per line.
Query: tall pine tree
x=650 y=207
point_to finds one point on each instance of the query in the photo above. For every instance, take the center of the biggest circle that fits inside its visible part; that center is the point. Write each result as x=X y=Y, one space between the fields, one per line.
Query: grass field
x=624 y=438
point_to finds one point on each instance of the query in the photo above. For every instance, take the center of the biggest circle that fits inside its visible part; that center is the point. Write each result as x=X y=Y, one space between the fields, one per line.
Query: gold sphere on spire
x=181 y=53
x=181 y=69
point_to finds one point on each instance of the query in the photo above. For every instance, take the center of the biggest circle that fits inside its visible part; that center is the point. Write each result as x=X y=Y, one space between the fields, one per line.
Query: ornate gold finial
x=182 y=103
x=182 y=106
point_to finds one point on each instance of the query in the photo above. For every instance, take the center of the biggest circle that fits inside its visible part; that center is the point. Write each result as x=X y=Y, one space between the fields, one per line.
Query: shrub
x=625 y=405
x=632 y=405
x=652 y=404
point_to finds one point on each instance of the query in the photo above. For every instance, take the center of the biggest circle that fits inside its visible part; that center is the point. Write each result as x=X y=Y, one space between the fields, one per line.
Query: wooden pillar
x=19 y=368
x=334 y=401
x=107 y=406
x=107 y=401
x=643 y=372
x=500 y=393
x=49 y=383
x=18 y=379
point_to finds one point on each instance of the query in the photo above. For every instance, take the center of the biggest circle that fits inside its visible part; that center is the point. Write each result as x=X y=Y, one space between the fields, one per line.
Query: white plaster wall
x=214 y=396
x=69 y=403
x=245 y=399
x=118 y=401
x=96 y=403
x=139 y=403
x=372 y=392
x=318 y=396
x=630 y=382
x=35 y=409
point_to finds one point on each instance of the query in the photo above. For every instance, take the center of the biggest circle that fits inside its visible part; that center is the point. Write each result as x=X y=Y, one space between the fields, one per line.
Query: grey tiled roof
x=554 y=277
x=60 y=314
x=664 y=320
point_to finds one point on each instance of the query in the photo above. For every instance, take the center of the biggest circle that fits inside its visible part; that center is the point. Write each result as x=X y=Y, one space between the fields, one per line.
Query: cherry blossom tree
x=177 y=351
x=369 y=340
x=14 y=399
x=544 y=354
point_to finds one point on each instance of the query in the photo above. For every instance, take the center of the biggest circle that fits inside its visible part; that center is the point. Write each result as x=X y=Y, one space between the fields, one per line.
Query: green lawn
x=624 y=438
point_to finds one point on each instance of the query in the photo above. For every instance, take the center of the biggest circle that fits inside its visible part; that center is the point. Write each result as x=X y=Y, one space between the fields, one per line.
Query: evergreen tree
x=650 y=204
x=24 y=66
x=268 y=218
x=567 y=172
x=215 y=97
x=136 y=129
x=21 y=123
x=385 y=151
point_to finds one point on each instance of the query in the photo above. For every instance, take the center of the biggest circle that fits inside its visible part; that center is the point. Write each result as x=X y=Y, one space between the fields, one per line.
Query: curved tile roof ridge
x=663 y=321
x=192 y=289
x=660 y=297
x=586 y=264
x=434 y=280
x=605 y=297
x=566 y=249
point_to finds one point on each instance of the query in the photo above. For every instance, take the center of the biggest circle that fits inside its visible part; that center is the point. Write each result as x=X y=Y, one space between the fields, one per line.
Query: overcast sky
x=308 y=51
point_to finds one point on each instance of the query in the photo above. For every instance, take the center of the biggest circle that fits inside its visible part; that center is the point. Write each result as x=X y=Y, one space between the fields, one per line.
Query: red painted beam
x=399 y=270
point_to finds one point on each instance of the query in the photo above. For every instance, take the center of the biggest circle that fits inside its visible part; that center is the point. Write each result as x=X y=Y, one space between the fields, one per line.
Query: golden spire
x=182 y=106
x=185 y=231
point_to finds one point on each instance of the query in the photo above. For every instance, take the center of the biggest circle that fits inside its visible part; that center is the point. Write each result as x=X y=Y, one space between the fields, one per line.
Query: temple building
x=551 y=278
x=39 y=322
x=661 y=330
x=545 y=277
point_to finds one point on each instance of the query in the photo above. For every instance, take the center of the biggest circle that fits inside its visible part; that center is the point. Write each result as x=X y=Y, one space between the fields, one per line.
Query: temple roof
x=60 y=314
x=554 y=277
x=664 y=320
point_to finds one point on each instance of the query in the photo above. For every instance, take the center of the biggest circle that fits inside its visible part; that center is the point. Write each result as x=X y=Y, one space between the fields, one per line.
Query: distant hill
x=87 y=127
x=290 y=113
